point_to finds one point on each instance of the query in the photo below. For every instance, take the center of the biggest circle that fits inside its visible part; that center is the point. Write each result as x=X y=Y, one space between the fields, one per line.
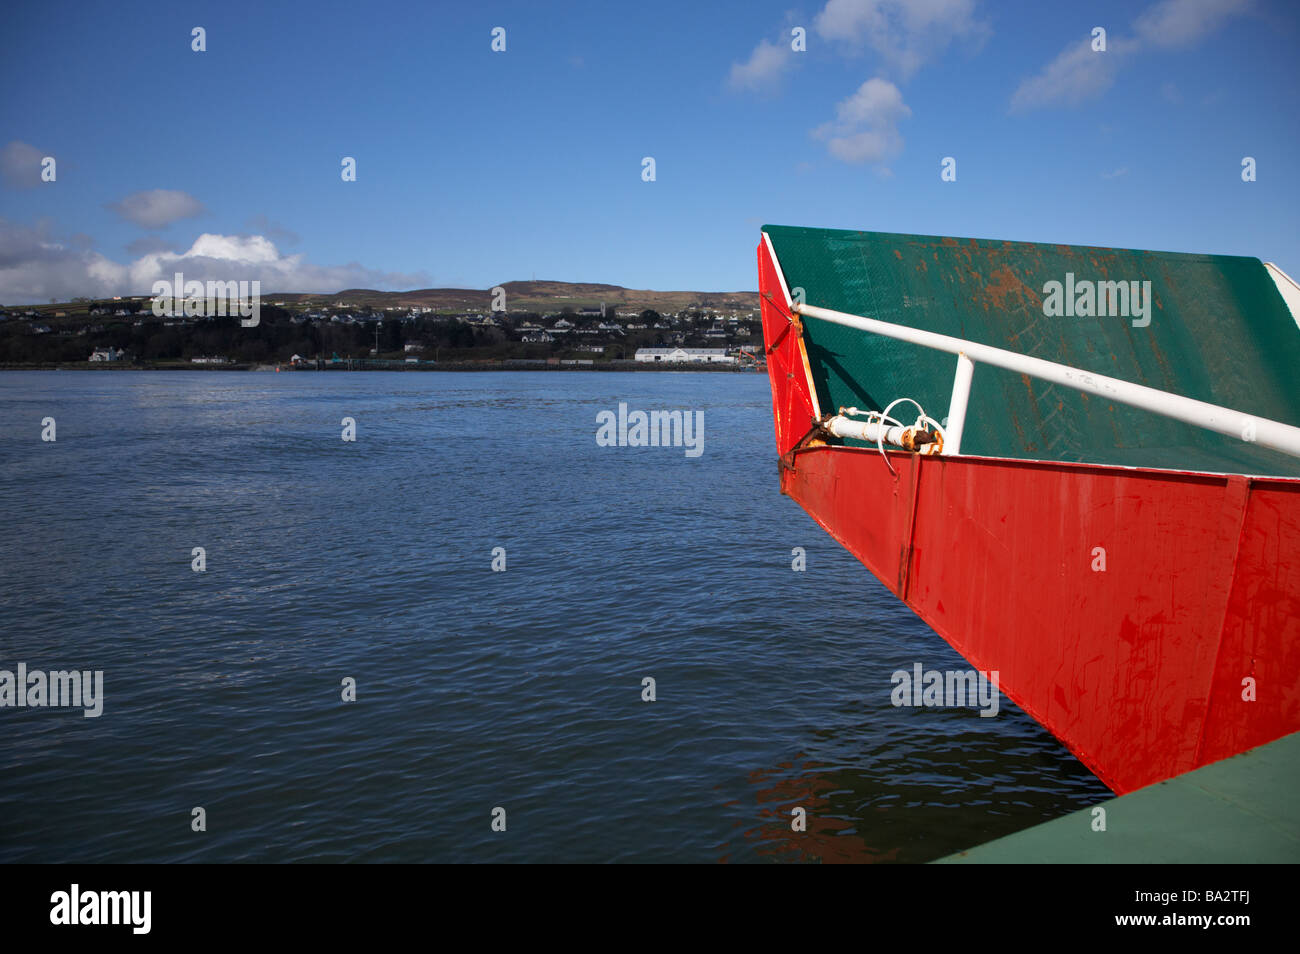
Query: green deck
x=1219 y=332
x=1243 y=809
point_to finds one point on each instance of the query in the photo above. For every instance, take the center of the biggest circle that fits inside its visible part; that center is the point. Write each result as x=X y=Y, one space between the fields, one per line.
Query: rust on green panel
x=1209 y=327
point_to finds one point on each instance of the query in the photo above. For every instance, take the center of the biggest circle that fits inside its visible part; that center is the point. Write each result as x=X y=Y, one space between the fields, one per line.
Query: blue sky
x=477 y=167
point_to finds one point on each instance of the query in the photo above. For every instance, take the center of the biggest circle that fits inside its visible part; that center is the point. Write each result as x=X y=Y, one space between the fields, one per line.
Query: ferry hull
x=1148 y=618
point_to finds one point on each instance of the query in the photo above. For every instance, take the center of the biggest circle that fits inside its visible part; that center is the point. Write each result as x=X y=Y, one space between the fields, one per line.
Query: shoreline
x=450 y=366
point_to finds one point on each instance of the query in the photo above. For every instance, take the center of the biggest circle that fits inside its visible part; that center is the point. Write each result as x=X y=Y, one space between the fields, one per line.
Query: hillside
x=531 y=296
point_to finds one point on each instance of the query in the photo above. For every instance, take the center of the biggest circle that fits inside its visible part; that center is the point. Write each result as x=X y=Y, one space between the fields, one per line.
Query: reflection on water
x=826 y=836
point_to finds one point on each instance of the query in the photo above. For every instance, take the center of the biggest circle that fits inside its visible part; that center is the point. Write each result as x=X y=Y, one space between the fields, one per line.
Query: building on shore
x=685 y=355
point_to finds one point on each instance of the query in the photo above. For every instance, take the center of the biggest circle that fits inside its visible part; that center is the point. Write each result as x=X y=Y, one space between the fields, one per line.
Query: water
x=476 y=689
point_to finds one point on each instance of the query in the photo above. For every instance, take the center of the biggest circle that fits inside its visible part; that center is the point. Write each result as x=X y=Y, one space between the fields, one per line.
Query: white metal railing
x=1222 y=420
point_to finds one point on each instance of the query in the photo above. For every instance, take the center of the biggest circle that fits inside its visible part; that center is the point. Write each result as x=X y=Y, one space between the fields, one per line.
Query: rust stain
x=1033 y=406
x=1003 y=283
x=1020 y=431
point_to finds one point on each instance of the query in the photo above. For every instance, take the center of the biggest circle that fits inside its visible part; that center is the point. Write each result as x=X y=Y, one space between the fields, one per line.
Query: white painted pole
x=1271 y=434
x=957 y=405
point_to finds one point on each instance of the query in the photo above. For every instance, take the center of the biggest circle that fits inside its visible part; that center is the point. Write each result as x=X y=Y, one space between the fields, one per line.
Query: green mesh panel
x=1219 y=332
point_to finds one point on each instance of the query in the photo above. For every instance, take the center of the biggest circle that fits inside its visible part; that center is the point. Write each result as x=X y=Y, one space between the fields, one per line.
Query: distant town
x=533 y=325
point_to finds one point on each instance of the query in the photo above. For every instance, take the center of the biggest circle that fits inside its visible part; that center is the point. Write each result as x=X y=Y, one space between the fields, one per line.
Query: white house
x=685 y=355
x=107 y=354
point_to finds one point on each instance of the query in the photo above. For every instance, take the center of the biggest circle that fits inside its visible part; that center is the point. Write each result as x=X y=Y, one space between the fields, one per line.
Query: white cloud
x=872 y=145
x=1078 y=73
x=35 y=267
x=763 y=68
x=866 y=125
x=157 y=207
x=905 y=33
x=1182 y=23
x=876 y=101
x=20 y=164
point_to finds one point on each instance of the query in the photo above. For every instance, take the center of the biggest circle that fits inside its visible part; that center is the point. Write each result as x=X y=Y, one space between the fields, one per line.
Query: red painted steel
x=792 y=401
x=1144 y=669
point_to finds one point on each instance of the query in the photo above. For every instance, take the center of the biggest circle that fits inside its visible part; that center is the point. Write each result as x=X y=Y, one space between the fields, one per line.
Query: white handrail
x=1222 y=420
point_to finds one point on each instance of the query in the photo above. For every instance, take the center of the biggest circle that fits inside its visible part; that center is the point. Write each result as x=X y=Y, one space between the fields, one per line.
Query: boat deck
x=1243 y=809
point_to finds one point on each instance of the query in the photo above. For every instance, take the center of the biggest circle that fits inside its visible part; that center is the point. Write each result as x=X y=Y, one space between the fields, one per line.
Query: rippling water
x=475 y=689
